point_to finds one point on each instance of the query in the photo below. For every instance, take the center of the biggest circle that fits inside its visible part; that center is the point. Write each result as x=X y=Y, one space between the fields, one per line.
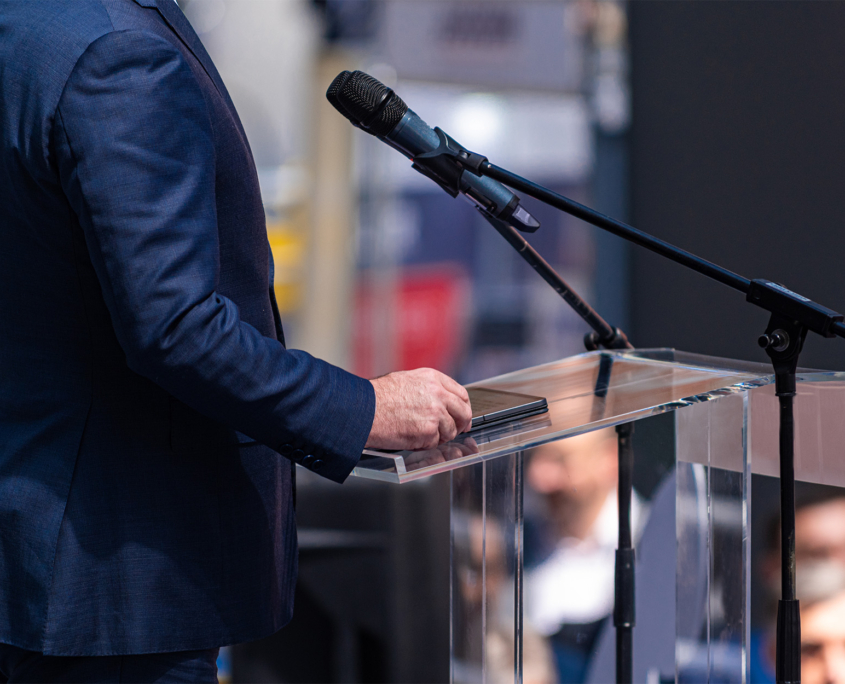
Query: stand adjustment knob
x=778 y=340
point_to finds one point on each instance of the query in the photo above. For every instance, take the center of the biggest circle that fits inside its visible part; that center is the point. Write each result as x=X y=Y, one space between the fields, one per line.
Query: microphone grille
x=332 y=94
x=366 y=102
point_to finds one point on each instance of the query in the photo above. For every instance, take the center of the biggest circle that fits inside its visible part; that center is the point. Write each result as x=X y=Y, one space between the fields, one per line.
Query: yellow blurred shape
x=288 y=247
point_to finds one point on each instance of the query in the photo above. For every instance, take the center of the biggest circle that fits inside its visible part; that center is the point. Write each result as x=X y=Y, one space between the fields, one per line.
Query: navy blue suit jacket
x=149 y=411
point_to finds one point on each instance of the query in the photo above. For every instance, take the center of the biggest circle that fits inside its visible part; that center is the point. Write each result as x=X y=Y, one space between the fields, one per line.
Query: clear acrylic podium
x=693 y=558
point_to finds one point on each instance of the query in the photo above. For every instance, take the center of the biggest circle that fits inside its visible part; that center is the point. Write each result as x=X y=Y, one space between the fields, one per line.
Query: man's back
x=140 y=346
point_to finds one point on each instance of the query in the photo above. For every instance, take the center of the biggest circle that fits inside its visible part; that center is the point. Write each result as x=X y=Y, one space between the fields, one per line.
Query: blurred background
x=717 y=126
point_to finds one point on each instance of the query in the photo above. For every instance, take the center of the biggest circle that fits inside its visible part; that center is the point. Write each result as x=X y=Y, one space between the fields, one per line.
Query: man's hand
x=418 y=409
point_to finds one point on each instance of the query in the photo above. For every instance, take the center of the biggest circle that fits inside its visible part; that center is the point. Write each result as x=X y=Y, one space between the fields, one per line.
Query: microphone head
x=366 y=102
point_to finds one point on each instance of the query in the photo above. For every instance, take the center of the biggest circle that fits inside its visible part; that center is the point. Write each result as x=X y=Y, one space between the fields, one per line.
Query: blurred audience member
x=820 y=558
x=820 y=526
x=821 y=589
x=569 y=592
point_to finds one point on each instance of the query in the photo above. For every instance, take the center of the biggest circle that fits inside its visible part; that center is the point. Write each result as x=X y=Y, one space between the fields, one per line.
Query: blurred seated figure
x=569 y=577
x=822 y=622
x=820 y=525
x=820 y=558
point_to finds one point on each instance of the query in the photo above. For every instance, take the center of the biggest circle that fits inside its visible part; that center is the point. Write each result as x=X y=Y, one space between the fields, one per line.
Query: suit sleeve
x=135 y=153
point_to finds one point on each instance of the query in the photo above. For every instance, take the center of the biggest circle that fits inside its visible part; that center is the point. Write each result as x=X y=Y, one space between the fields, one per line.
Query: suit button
x=316 y=465
x=297 y=455
x=285 y=449
x=307 y=460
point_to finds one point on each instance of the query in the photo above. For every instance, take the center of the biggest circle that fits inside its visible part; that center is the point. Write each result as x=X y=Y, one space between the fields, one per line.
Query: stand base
x=788 y=667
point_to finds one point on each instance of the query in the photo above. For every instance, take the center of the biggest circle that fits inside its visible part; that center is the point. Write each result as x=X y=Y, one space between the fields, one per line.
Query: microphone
x=373 y=107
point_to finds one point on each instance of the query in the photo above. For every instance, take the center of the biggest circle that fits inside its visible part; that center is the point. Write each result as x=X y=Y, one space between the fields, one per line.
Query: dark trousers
x=19 y=665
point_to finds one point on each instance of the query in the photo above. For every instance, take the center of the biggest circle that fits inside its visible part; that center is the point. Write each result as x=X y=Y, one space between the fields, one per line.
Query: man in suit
x=150 y=415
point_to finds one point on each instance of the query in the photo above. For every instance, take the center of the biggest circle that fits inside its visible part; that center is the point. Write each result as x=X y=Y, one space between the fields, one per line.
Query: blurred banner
x=495 y=44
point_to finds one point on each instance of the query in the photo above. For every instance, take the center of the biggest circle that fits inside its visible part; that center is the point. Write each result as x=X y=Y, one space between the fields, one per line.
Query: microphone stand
x=792 y=316
x=604 y=336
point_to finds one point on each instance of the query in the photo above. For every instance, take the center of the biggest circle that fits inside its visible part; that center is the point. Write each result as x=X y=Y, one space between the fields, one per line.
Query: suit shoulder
x=32 y=86
x=136 y=54
x=62 y=29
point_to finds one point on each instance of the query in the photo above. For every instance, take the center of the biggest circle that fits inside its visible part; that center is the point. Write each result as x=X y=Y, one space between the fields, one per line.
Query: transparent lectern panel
x=693 y=559
x=712 y=609
x=486 y=601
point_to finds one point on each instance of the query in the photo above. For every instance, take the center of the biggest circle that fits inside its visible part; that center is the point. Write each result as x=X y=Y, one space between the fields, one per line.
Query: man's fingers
x=463 y=414
x=460 y=413
x=447 y=427
x=454 y=387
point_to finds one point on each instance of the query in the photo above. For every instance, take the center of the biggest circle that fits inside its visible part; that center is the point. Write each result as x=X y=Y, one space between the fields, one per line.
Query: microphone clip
x=445 y=165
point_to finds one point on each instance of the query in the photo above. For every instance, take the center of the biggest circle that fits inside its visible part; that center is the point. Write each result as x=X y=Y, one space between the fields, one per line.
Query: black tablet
x=491 y=406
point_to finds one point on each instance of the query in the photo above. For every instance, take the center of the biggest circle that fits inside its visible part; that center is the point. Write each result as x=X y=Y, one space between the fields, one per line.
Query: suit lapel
x=180 y=25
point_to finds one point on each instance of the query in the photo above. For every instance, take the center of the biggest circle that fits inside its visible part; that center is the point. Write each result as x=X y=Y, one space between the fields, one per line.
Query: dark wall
x=738 y=155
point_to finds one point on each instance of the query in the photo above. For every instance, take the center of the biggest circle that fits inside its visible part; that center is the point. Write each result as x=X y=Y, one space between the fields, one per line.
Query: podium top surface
x=585 y=393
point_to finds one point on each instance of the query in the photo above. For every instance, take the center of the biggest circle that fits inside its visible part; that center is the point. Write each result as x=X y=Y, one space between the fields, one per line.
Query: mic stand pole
x=624 y=615
x=607 y=337
x=603 y=335
x=792 y=317
x=624 y=618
